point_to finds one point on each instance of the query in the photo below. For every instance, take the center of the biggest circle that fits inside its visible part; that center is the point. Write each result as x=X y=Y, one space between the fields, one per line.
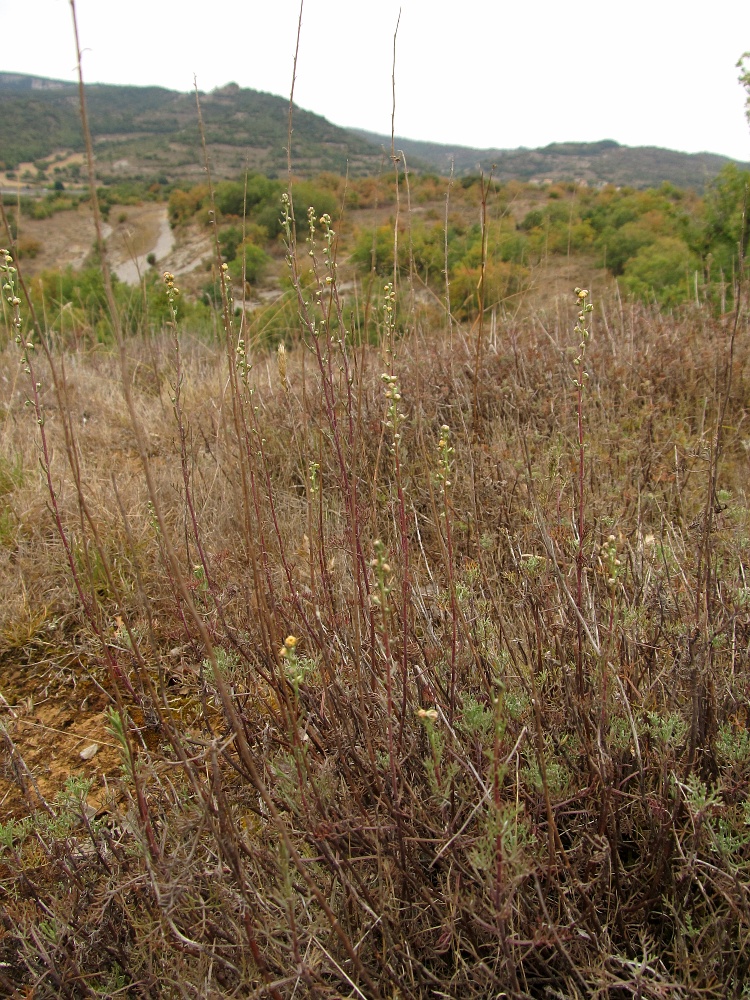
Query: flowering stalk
x=583 y=332
x=318 y=326
x=394 y=421
x=611 y=566
x=381 y=599
x=9 y=291
x=445 y=460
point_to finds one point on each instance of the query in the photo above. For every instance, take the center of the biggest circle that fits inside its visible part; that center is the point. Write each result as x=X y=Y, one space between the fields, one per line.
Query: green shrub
x=254 y=259
x=664 y=270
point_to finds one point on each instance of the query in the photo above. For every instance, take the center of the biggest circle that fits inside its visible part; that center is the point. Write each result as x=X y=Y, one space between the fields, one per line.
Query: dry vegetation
x=464 y=778
x=406 y=664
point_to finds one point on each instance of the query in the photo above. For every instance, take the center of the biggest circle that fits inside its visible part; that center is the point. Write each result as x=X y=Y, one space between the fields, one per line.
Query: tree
x=725 y=229
x=744 y=78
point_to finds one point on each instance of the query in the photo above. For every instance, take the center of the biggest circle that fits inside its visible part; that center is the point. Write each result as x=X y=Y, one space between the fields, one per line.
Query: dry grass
x=418 y=798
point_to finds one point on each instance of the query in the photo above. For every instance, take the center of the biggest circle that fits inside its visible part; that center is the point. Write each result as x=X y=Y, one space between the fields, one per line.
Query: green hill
x=605 y=162
x=152 y=131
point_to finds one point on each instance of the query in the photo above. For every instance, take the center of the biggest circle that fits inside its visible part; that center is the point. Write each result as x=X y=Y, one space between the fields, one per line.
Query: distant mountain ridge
x=150 y=132
x=604 y=162
x=17 y=81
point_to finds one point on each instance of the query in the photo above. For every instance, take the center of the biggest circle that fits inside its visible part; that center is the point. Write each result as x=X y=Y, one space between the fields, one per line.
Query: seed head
x=281 y=359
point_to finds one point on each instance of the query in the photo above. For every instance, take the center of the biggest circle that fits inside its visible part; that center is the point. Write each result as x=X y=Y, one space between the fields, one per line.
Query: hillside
x=605 y=162
x=153 y=131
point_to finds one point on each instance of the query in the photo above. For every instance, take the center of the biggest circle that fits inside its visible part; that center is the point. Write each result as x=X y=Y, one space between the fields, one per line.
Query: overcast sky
x=471 y=72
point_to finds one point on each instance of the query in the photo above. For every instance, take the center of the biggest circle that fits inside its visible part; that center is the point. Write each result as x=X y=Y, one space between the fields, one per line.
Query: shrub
x=28 y=247
x=664 y=269
x=253 y=259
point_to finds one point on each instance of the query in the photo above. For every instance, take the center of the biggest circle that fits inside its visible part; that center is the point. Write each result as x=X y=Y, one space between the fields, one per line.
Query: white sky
x=470 y=72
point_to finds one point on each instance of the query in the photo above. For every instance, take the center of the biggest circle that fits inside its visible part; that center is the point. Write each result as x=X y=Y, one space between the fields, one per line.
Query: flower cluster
x=395 y=416
x=172 y=293
x=286 y=225
x=9 y=288
x=226 y=287
x=243 y=365
x=289 y=647
x=609 y=560
x=445 y=459
x=329 y=235
x=584 y=308
x=313 y=473
x=383 y=574
x=389 y=306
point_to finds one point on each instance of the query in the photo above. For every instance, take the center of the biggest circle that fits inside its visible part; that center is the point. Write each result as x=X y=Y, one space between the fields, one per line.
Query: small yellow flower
x=291 y=641
x=427 y=713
